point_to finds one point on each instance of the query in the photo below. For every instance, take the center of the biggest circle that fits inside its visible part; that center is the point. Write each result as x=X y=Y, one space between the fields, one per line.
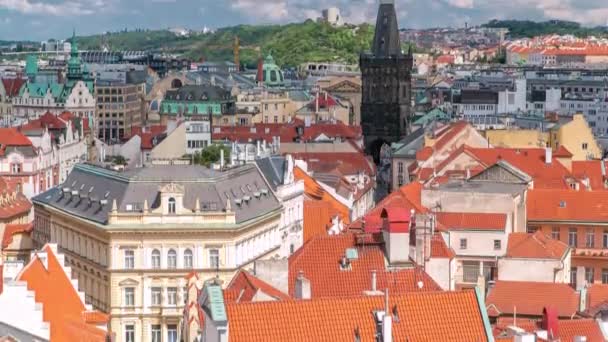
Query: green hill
x=290 y=44
x=526 y=28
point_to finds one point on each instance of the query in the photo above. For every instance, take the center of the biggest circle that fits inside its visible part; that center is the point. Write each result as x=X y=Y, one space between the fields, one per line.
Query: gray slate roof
x=131 y=188
x=273 y=169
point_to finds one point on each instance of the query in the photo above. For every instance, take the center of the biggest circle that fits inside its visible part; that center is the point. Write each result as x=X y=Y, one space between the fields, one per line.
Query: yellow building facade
x=132 y=242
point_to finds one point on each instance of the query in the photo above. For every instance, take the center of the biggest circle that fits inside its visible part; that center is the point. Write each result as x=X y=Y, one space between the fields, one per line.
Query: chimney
x=257 y=153
x=581 y=282
x=374 y=281
x=550 y=322
x=524 y=337
x=548 y=155
x=303 y=290
x=580 y=338
x=387 y=322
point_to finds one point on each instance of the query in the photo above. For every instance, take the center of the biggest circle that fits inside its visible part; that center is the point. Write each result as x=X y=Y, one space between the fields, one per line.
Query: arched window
x=172 y=259
x=171 y=205
x=188 y=258
x=156 y=258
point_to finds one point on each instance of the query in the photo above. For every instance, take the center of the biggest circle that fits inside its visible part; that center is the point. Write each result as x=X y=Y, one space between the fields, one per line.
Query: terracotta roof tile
x=529 y=298
x=12 y=137
x=562 y=152
x=424 y=154
x=319 y=258
x=598 y=294
x=341 y=319
x=318 y=217
x=15 y=206
x=13 y=85
x=591 y=169
x=567 y=329
x=567 y=205
x=62 y=306
x=246 y=286
x=345 y=163
x=314 y=191
x=535 y=246
x=11 y=229
x=439 y=249
x=472 y=221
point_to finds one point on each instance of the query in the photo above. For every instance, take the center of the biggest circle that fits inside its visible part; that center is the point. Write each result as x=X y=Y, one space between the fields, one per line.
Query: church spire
x=386 y=39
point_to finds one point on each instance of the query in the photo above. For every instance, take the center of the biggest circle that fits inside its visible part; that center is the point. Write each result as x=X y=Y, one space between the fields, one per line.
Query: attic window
x=562 y=204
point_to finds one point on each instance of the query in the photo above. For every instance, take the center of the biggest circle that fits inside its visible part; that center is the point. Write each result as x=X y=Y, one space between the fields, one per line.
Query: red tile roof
x=288 y=132
x=68 y=116
x=439 y=249
x=12 y=137
x=245 y=286
x=567 y=329
x=62 y=305
x=11 y=229
x=15 y=206
x=529 y=298
x=535 y=246
x=567 y=205
x=424 y=154
x=591 y=169
x=315 y=192
x=147 y=135
x=408 y=197
x=13 y=85
x=325 y=101
x=472 y=221
x=345 y=163
x=319 y=258
x=598 y=294
x=318 y=217
x=437 y=316
x=562 y=152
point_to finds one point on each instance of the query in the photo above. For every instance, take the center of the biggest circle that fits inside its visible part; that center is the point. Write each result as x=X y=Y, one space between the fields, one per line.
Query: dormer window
x=171 y=205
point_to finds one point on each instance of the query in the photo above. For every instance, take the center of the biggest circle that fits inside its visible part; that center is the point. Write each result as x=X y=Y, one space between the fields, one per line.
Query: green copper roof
x=432 y=115
x=216 y=303
x=31 y=65
x=273 y=75
x=174 y=108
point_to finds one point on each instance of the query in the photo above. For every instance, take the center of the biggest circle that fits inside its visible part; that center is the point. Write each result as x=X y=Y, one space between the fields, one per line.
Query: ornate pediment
x=128 y=282
x=345 y=87
x=172 y=188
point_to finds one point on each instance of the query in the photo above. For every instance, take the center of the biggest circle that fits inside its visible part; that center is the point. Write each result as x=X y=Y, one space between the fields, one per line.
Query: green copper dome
x=273 y=75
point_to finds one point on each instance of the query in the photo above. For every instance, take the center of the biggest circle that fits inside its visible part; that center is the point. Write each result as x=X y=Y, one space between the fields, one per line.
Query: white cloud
x=271 y=10
x=461 y=3
x=65 y=8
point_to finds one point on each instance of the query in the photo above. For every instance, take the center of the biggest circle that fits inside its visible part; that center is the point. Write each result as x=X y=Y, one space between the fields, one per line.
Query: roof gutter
x=484 y=314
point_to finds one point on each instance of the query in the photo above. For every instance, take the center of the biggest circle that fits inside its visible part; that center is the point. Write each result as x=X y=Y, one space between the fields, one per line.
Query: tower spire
x=386 y=38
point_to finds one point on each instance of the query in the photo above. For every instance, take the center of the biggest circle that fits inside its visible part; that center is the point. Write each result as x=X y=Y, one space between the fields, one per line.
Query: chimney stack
x=374 y=281
x=222 y=158
x=548 y=155
x=303 y=290
x=387 y=322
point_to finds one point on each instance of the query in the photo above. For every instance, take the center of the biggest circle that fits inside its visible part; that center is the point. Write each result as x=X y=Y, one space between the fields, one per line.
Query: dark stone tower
x=386 y=74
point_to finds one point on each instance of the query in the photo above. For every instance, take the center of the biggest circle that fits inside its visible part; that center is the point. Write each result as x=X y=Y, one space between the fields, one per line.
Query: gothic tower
x=386 y=74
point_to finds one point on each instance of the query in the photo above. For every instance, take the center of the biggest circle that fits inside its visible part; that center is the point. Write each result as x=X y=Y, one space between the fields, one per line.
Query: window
x=15 y=168
x=156 y=296
x=172 y=333
x=129 y=259
x=214 y=258
x=605 y=239
x=129 y=296
x=188 y=258
x=172 y=295
x=589 y=238
x=572 y=239
x=171 y=205
x=604 y=275
x=497 y=245
x=400 y=167
x=555 y=233
x=155 y=333
x=463 y=243
x=156 y=258
x=585 y=146
x=532 y=230
x=172 y=259
x=129 y=333
x=589 y=275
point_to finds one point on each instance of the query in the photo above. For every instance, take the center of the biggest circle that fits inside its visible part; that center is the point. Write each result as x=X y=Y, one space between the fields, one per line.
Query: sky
x=43 y=19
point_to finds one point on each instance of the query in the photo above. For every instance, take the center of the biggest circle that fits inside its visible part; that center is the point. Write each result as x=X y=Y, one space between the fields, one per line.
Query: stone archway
x=374 y=149
x=176 y=83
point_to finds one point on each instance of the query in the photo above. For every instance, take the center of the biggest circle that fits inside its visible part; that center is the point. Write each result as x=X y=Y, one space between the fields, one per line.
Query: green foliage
x=117 y=160
x=290 y=44
x=210 y=155
x=526 y=28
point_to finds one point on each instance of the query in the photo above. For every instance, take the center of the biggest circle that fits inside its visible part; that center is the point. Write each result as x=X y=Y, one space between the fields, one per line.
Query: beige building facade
x=132 y=242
